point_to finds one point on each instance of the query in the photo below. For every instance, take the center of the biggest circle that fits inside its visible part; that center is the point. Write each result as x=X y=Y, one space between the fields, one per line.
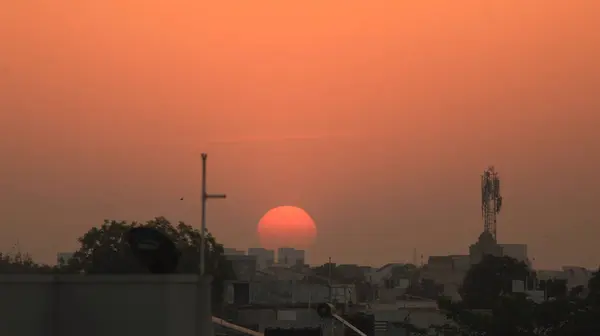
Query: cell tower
x=491 y=201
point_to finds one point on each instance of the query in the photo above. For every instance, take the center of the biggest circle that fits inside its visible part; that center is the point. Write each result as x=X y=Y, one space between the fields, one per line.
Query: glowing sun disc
x=287 y=226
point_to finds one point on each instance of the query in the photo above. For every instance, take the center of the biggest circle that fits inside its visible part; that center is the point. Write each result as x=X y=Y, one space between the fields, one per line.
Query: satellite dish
x=325 y=310
x=153 y=249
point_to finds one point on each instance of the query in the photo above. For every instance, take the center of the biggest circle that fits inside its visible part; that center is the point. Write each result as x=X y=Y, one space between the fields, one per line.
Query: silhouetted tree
x=492 y=278
x=21 y=263
x=576 y=292
x=594 y=287
x=554 y=288
x=104 y=250
x=514 y=313
x=583 y=318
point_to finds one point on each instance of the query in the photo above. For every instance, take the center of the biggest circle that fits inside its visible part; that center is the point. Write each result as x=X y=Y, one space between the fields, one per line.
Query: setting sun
x=287 y=226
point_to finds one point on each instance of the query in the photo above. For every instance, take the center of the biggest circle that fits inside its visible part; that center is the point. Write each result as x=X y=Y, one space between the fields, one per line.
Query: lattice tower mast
x=491 y=200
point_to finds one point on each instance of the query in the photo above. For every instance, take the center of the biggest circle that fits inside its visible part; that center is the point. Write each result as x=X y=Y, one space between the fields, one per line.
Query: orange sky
x=377 y=117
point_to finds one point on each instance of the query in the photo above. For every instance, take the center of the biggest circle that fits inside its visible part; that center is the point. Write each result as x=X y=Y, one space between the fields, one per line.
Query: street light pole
x=205 y=197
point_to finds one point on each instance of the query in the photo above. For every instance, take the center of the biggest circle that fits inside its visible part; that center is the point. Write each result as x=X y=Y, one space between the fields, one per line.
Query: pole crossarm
x=215 y=196
x=205 y=196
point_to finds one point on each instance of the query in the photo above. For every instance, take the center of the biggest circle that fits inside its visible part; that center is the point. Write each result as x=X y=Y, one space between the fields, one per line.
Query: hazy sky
x=377 y=117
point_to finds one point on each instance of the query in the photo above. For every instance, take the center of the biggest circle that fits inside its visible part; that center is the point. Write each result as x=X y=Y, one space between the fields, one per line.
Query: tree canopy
x=486 y=282
x=104 y=250
x=490 y=307
x=21 y=263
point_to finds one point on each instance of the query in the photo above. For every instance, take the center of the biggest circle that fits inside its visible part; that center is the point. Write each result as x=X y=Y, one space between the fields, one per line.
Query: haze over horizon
x=376 y=117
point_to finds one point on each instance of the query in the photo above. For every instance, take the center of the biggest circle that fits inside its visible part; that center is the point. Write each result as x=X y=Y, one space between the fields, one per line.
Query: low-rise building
x=264 y=258
x=291 y=257
x=244 y=266
x=448 y=271
x=516 y=251
x=232 y=251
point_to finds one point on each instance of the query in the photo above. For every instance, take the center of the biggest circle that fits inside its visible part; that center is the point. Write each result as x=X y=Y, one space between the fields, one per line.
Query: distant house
x=391 y=281
x=447 y=271
x=350 y=271
x=379 y=276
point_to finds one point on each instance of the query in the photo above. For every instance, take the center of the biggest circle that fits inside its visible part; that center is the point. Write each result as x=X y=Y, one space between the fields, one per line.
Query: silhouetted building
x=485 y=245
x=244 y=266
x=515 y=251
x=232 y=251
x=290 y=256
x=264 y=258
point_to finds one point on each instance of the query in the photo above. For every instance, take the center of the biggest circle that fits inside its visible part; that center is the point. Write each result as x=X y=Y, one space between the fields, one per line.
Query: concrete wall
x=103 y=305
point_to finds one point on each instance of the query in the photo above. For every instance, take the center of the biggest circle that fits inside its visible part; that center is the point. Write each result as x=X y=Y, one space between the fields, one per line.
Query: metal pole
x=348 y=324
x=203 y=226
x=329 y=282
x=205 y=197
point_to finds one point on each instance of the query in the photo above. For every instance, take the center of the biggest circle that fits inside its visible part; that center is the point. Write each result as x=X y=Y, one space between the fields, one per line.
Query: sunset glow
x=378 y=116
x=287 y=226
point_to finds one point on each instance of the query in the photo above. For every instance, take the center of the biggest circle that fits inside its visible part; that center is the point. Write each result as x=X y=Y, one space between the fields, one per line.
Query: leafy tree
x=594 y=286
x=554 y=288
x=490 y=307
x=576 y=291
x=489 y=280
x=104 y=250
x=583 y=318
x=511 y=315
x=514 y=314
x=21 y=263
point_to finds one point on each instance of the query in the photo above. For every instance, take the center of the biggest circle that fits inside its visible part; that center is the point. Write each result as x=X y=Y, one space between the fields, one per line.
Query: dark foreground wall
x=103 y=305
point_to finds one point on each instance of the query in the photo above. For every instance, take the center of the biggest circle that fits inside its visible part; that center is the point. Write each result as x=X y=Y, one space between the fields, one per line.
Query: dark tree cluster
x=491 y=307
x=21 y=263
x=104 y=250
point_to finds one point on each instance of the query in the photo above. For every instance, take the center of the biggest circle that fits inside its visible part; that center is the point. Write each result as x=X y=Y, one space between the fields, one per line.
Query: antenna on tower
x=491 y=200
